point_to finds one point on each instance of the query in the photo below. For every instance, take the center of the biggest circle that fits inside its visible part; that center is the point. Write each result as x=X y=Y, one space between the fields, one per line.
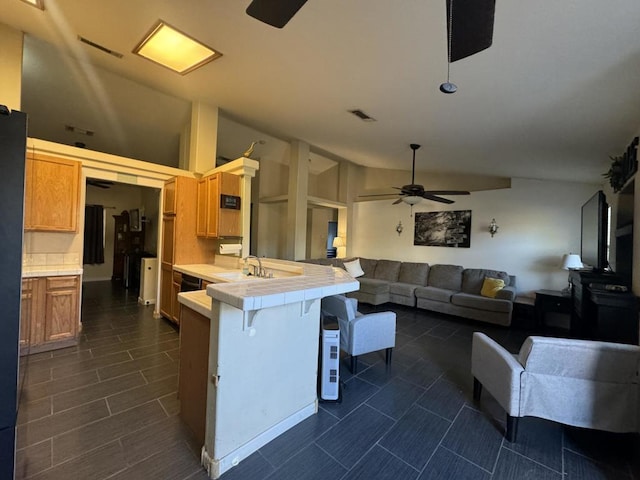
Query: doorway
x=130 y=231
x=332 y=232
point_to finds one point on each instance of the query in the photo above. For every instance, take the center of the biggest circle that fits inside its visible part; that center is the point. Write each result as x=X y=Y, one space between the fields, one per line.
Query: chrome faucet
x=258 y=271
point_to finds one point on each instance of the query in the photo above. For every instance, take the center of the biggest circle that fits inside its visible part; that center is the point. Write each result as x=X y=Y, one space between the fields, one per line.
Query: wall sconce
x=493 y=227
x=399 y=228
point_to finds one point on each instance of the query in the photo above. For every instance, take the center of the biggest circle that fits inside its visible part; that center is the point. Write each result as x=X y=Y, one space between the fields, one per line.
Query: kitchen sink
x=236 y=277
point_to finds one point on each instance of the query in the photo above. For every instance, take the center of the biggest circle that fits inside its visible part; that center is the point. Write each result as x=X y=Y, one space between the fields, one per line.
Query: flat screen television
x=595 y=233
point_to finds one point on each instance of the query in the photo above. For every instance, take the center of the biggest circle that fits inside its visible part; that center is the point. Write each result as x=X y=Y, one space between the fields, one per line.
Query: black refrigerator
x=13 y=143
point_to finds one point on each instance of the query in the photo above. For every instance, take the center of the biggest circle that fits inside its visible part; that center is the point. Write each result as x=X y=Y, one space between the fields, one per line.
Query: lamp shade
x=571 y=261
x=338 y=242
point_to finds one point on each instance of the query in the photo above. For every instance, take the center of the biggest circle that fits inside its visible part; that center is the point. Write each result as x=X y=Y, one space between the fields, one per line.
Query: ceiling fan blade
x=435 y=198
x=448 y=192
x=397 y=201
x=276 y=13
x=380 y=195
x=470 y=26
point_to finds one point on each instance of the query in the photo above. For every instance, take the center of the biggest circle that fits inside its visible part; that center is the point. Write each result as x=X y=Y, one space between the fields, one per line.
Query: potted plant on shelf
x=615 y=174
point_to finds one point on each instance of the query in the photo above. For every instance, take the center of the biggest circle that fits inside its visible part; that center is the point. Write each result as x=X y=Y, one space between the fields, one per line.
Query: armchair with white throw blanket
x=582 y=383
x=360 y=334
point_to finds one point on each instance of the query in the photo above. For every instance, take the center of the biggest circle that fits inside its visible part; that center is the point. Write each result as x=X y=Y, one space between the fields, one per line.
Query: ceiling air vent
x=362 y=116
x=81 y=131
x=99 y=47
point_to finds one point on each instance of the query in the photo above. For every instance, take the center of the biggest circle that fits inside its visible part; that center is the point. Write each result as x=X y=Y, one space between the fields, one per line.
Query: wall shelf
x=311 y=201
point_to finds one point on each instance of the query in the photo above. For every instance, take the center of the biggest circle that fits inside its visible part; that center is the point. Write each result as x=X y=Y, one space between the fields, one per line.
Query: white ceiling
x=556 y=94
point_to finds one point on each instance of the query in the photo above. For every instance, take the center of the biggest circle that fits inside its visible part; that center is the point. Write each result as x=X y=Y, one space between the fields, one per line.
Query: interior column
x=297 y=205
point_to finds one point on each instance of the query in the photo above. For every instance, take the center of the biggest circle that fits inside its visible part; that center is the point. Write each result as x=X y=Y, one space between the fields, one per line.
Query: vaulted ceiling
x=556 y=94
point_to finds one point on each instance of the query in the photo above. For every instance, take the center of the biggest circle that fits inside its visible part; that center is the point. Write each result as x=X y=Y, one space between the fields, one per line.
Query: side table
x=551 y=301
x=524 y=314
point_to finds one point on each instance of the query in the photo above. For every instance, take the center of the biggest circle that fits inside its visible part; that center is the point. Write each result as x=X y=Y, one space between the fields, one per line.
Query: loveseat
x=450 y=289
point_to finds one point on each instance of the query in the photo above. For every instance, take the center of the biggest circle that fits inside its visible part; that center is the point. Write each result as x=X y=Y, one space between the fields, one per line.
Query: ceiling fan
x=413 y=193
x=469 y=24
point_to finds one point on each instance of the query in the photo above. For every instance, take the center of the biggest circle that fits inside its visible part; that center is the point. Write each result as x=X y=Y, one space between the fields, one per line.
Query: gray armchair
x=575 y=382
x=360 y=334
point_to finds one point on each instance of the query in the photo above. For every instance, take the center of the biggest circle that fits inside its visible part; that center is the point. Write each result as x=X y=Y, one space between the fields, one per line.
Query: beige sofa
x=450 y=289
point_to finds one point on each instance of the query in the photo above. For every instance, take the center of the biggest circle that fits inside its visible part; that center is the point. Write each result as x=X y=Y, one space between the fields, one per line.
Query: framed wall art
x=443 y=229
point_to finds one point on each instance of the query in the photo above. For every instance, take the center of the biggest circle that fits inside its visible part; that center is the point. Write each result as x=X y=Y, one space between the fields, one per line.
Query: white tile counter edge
x=50 y=271
x=316 y=281
x=197 y=301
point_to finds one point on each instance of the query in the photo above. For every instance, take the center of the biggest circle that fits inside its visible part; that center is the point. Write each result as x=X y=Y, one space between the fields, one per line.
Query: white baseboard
x=216 y=467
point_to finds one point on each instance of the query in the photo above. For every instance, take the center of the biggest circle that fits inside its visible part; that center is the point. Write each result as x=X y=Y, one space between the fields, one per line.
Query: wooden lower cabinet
x=50 y=313
x=26 y=312
x=194 y=371
x=175 y=304
x=170 y=283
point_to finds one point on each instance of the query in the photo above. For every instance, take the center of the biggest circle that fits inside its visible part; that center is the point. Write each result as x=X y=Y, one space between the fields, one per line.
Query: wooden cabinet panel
x=213 y=221
x=201 y=209
x=175 y=304
x=213 y=204
x=169 y=197
x=60 y=307
x=168 y=239
x=166 y=291
x=27 y=311
x=194 y=371
x=50 y=313
x=52 y=194
x=229 y=220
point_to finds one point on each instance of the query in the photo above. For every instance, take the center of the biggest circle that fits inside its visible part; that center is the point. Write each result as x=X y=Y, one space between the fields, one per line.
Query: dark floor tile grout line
x=393 y=455
x=441 y=438
x=468 y=461
x=505 y=446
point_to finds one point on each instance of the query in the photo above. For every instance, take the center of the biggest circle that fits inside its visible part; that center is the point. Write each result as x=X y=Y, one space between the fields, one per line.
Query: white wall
x=10 y=66
x=539 y=222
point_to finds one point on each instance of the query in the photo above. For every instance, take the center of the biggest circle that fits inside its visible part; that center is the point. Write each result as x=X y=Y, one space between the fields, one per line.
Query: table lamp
x=570 y=261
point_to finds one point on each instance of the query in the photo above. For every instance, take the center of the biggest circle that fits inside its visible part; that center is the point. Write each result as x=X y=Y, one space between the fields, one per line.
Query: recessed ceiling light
x=173 y=49
x=35 y=3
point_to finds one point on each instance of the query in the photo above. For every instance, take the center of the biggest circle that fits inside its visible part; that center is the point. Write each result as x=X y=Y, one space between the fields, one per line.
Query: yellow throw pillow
x=491 y=286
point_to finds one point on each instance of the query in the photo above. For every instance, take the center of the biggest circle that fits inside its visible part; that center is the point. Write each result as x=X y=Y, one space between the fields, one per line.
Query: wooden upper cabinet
x=213 y=202
x=52 y=194
x=169 y=199
x=214 y=221
x=201 y=208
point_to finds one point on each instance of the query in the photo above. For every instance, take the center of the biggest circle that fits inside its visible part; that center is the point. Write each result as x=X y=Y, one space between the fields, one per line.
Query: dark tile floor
x=107 y=409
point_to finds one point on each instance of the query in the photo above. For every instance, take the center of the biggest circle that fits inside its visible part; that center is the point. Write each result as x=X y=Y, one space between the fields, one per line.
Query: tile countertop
x=303 y=281
x=50 y=270
x=204 y=271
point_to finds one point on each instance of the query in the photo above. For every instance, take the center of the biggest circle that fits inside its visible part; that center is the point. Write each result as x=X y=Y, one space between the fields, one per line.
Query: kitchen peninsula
x=263 y=335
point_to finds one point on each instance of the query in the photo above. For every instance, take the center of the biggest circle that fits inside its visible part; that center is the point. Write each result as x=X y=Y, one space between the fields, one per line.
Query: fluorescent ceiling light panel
x=173 y=49
x=35 y=3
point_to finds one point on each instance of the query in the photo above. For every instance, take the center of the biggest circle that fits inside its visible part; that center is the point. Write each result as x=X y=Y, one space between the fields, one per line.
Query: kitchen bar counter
x=262 y=369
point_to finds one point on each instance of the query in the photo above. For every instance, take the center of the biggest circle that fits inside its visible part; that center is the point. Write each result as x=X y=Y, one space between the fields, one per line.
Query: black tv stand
x=601 y=314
